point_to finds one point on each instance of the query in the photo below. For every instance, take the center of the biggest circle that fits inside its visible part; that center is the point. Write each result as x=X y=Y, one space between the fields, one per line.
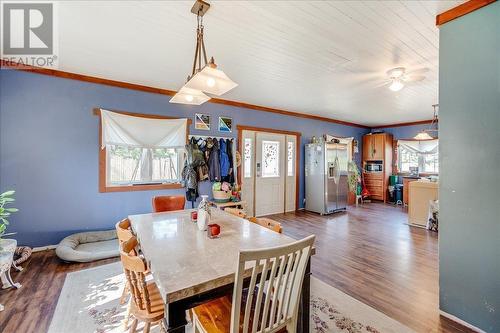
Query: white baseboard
x=44 y=248
x=460 y=321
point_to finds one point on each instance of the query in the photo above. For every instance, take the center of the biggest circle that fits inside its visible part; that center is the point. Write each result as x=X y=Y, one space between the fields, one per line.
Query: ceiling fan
x=398 y=77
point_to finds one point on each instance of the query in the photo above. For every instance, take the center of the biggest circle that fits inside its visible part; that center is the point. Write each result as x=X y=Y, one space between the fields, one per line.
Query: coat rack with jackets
x=208 y=158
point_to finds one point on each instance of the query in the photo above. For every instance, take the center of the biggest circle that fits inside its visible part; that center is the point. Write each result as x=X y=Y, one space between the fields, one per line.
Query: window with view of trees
x=131 y=165
x=421 y=154
x=140 y=152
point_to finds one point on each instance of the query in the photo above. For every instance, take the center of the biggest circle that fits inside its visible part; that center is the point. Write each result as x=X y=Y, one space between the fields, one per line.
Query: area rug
x=90 y=303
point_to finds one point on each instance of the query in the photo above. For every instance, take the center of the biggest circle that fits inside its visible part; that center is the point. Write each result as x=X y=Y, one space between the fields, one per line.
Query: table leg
x=305 y=299
x=175 y=318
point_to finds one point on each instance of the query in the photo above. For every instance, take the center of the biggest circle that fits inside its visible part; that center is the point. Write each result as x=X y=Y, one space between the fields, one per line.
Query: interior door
x=270 y=174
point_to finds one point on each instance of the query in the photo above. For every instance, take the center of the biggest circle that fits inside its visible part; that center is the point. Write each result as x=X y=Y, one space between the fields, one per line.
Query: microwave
x=373 y=167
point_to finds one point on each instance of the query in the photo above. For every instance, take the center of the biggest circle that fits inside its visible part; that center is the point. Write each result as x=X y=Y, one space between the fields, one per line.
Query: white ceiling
x=326 y=58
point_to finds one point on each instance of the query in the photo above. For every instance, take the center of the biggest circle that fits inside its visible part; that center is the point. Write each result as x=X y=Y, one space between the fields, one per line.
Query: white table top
x=185 y=262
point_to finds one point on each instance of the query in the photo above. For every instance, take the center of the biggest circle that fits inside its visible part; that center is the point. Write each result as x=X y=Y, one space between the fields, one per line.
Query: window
x=407 y=159
x=431 y=163
x=140 y=152
x=270 y=159
x=289 y=159
x=132 y=166
x=247 y=158
x=421 y=154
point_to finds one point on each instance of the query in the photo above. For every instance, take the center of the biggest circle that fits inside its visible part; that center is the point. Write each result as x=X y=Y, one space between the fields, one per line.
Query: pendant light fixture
x=424 y=134
x=189 y=96
x=205 y=77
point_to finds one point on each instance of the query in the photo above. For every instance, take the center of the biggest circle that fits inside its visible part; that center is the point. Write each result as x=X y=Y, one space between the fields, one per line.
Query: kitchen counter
x=420 y=193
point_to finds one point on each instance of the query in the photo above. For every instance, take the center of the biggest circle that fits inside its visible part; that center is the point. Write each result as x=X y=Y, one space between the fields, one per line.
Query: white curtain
x=120 y=129
x=421 y=147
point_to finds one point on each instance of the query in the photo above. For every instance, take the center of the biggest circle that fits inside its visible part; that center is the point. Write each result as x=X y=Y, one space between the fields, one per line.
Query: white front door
x=270 y=173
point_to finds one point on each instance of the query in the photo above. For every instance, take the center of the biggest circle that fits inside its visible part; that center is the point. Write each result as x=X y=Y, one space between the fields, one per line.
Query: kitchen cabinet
x=374 y=146
x=377 y=147
x=420 y=192
x=374 y=182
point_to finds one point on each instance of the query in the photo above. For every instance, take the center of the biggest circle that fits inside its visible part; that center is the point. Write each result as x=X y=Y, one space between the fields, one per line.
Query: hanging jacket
x=229 y=148
x=197 y=155
x=223 y=159
x=198 y=160
x=213 y=163
x=189 y=176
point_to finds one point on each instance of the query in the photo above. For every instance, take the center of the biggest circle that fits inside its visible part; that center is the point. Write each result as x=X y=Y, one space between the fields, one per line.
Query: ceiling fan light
x=423 y=135
x=396 y=72
x=396 y=85
x=211 y=80
x=189 y=96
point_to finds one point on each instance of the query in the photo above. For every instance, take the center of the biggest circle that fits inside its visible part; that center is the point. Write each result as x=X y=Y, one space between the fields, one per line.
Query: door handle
x=258 y=169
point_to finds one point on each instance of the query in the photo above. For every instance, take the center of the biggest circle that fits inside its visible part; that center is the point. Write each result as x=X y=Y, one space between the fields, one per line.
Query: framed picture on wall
x=225 y=124
x=202 y=121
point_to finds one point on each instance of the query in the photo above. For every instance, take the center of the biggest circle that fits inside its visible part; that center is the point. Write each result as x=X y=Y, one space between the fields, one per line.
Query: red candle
x=194 y=216
x=213 y=230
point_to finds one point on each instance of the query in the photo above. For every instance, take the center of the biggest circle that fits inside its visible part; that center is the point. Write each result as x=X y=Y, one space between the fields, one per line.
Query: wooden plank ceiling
x=326 y=58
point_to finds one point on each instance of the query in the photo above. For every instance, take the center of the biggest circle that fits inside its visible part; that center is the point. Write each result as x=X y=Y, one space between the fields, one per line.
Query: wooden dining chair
x=267 y=223
x=124 y=233
x=166 y=203
x=123 y=230
x=236 y=211
x=260 y=309
x=146 y=303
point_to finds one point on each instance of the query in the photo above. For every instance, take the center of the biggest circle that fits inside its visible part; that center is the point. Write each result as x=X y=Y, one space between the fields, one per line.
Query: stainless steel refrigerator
x=326 y=177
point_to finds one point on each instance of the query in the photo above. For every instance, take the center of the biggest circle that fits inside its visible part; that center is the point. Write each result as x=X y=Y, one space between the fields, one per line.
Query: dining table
x=190 y=268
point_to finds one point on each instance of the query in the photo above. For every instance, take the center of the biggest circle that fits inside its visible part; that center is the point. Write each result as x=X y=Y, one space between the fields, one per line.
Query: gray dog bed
x=88 y=246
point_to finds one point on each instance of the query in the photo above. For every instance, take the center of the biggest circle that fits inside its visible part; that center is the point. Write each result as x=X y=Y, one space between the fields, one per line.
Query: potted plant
x=354 y=176
x=6 y=198
x=221 y=192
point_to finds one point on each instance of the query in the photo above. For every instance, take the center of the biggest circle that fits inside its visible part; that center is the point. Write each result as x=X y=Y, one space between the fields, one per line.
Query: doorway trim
x=298 y=148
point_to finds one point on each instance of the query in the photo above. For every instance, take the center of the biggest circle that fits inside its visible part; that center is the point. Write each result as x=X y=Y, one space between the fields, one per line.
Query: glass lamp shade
x=396 y=85
x=211 y=80
x=189 y=96
x=423 y=136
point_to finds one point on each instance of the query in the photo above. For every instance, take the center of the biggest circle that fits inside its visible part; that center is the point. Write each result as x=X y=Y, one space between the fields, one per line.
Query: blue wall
x=408 y=132
x=49 y=150
x=469 y=216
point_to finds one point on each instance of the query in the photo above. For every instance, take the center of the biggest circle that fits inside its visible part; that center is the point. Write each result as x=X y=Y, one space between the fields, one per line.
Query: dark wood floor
x=369 y=253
